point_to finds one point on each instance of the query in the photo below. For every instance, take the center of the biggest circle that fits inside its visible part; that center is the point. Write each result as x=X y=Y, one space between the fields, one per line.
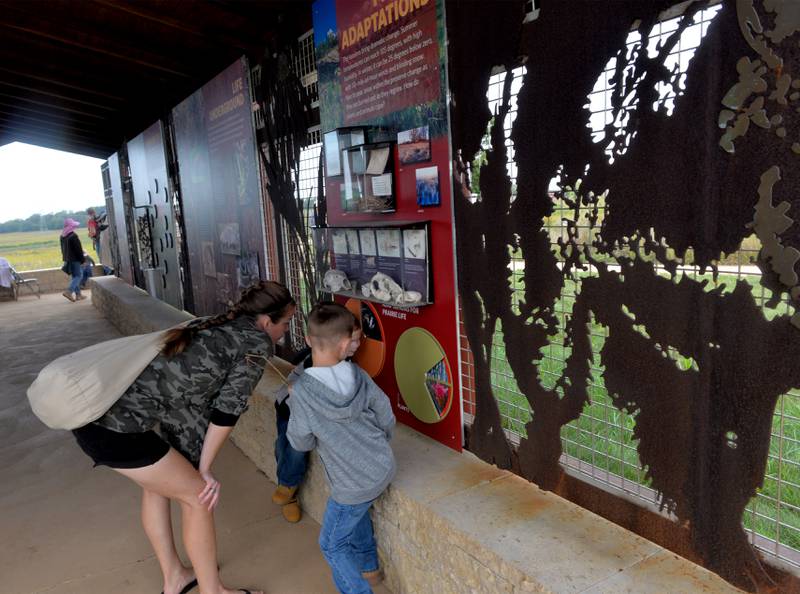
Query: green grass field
x=33 y=250
x=603 y=436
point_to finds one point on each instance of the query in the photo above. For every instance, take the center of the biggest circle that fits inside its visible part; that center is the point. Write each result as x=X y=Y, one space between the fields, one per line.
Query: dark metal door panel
x=155 y=220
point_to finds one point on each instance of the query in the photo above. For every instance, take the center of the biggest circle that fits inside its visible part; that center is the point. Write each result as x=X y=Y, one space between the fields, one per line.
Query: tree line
x=46 y=222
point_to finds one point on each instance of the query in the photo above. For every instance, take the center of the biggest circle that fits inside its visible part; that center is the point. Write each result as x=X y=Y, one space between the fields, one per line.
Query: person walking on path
x=72 y=254
x=192 y=393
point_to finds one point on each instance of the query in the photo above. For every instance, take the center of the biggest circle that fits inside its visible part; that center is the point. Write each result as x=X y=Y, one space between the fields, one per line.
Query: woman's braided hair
x=264 y=297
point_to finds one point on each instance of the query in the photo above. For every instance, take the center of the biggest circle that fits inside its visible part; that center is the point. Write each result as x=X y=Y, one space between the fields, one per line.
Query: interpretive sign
x=381 y=67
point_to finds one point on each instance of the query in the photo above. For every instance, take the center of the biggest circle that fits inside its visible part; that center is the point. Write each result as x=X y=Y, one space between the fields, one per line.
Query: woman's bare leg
x=173 y=477
x=157 y=522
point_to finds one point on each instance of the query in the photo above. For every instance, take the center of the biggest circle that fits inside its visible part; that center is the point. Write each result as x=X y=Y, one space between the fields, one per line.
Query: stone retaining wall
x=450 y=523
x=132 y=310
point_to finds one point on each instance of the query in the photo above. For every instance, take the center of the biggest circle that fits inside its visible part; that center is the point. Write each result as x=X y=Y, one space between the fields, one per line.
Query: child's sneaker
x=283 y=495
x=291 y=511
x=373 y=577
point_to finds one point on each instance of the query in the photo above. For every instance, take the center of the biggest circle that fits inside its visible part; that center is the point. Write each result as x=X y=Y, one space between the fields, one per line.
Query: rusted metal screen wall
x=600 y=444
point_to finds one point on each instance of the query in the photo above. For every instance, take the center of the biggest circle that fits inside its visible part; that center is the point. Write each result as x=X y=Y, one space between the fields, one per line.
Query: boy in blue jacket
x=337 y=408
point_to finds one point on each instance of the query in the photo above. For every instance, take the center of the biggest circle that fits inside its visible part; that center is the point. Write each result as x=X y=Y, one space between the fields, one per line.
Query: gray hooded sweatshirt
x=351 y=430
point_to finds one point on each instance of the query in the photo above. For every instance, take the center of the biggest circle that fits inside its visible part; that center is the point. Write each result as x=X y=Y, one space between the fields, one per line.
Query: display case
x=335 y=142
x=379 y=262
x=368 y=178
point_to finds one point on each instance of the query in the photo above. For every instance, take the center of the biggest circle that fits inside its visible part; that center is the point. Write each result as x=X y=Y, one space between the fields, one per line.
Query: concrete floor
x=68 y=528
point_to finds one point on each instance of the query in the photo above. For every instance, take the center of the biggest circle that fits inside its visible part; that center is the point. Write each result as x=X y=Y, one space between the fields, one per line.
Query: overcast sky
x=39 y=180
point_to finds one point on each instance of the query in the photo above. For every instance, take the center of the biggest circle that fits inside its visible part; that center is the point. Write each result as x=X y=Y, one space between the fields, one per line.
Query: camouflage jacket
x=177 y=395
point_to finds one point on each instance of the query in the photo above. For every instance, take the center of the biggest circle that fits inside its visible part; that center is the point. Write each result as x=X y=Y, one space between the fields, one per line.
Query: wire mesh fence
x=600 y=443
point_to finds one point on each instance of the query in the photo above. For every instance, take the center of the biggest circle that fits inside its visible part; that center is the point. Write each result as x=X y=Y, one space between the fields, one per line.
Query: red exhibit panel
x=387 y=159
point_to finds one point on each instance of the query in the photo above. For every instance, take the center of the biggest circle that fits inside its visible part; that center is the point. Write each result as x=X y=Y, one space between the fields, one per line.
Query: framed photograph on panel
x=428 y=187
x=414 y=146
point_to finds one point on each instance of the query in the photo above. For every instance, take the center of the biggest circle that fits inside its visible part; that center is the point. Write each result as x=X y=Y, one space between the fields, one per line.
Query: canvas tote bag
x=80 y=387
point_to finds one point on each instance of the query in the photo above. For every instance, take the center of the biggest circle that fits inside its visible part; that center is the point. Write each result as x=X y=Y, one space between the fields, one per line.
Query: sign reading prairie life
x=381 y=65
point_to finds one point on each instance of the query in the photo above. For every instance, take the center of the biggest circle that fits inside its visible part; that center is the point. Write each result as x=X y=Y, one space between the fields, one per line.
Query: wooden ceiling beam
x=16 y=46
x=98 y=47
x=143 y=11
x=7 y=115
x=19 y=74
x=52 y=106
x=14 y=107
x=13 y=87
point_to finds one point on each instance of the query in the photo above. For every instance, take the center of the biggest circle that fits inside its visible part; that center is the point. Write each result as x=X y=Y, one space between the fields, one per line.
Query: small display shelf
x=335 y=142
x=368 y=178
x=378 y=262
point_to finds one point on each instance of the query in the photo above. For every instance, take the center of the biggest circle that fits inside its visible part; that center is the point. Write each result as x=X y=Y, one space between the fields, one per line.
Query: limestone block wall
x=449 y=522
x=132 y=310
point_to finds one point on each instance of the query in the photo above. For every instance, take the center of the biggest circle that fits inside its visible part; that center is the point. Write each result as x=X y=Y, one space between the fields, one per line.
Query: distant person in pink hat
x=72 y=253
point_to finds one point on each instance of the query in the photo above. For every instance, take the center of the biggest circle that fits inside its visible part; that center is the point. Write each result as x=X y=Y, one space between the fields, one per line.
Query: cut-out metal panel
x=650 y=142
x=155 y=221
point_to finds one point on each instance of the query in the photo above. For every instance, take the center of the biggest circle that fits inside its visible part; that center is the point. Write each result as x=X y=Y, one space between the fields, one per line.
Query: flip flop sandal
x=188 y=587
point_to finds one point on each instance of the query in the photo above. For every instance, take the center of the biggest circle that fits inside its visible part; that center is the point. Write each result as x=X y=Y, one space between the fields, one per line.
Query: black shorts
x=120 y=450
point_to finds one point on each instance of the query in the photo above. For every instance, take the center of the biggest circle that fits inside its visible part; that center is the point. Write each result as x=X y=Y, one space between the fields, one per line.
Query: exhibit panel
x=215 y=143
x=389 y=244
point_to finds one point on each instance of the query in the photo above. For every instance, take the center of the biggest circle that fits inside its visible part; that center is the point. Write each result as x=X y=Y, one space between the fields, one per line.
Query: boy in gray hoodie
x=337 y=408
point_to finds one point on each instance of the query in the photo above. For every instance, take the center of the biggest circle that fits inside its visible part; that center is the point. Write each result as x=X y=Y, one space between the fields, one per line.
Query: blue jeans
x=291 y=463
x=86 y=274
x=348 y=545
x=77 y=274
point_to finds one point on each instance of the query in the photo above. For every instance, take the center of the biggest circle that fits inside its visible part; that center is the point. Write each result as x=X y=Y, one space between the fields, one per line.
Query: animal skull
x=384 y=288
x=336 y=281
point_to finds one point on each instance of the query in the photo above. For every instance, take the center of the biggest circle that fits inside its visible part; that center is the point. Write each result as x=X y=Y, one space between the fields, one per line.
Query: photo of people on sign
x=414 y=145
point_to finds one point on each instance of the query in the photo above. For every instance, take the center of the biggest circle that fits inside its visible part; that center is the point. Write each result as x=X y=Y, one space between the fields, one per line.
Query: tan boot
x=292 y=512
x=374 y=578
x=283 y=495
x=68 y=295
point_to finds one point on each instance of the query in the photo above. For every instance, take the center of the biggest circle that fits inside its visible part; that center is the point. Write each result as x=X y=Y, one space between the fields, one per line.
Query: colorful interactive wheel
x=423 y=375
